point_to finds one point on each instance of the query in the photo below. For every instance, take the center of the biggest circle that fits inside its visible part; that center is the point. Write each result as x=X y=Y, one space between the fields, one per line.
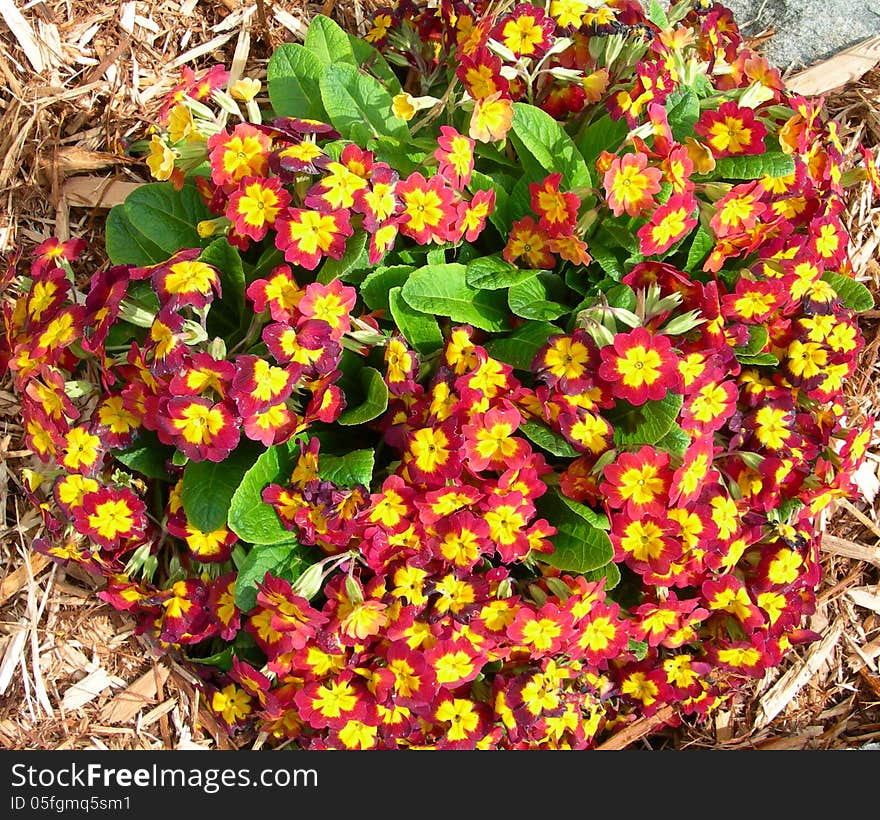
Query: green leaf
x=346 y=471
x=646 y=423
x=328 y=42
x=598 y=520
x=579 y=546
x=520 y=347
x=854 y=295
x=754 y=166
x=250 y=518
x=419 y=329
x=759 y=336
x=369 y=59
x=279 y=560
x=609 y=572
x=758 y=360
x=548 y=439
x=675 y=442
x=269 y=259
x=545 y=139
x=293 y=75
x=683 y=114
x=483 y=182
x=154 y=222
x=535 y=298
x=208 y=486
x=376 y=288
x=702 y=244
x=607 y=260
x=442 y=290
x=375 y=399
x=602 y=135
x=657 y=15
x=222 y=659
x=358 y=104
x=227 y=313
x=494 y=273
x=353 y=258
x=147 y=456
x=638 y=648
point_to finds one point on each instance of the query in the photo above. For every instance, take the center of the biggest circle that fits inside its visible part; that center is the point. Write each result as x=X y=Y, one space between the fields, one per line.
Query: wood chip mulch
x=78 y=82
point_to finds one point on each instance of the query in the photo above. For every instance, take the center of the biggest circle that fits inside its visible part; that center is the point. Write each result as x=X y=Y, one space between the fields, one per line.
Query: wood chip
x=835 y=72
x=850 y=549
x=97 y=192
x=637 y=730
x=13 y=583
x=133 y=698
x=89 y=688
x=784 y=690
x=159 y=711
x=12 y=657
x=22 y=32
x=866 y=597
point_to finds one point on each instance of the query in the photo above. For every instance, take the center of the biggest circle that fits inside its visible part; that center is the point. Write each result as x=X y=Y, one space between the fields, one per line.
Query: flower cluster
x=498 y=415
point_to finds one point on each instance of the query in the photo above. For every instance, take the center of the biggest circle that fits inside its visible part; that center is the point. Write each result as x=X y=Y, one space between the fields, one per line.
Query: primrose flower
x=731 y=131
x=255 y=206
x=243 y=153
x=630 y=185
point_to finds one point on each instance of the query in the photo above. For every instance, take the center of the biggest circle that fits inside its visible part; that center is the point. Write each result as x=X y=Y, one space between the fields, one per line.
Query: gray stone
x=806 y=30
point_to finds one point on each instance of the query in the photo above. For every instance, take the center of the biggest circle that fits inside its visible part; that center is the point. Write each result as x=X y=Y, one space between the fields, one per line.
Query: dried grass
x=81 y=80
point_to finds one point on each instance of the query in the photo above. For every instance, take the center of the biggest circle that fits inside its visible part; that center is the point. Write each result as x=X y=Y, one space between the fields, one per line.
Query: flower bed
x=482 y=387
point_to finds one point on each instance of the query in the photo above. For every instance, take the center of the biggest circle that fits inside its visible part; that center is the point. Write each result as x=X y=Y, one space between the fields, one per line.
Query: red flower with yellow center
x=489 y=442
x=461 y=539
x=455 y=153
x=526 y=32
x=255 y=206
x=630 y=185
x=332 y=702
x=69 y=490
x=337 y=189
x=257 y=384
x=728 y=594
x=198 y=428
x=695 y=471
x=507 y=517
x=828 y=240
x=454 y=662
x=491 y=118
x=568 y=362
x=639 y=366
x=279 y=293
x=667 y=225
x=429 y=209
x=481 y=74
x=243 y=153
x=301 y=157
x=472 y=215
x=306 y=236
x=638 y=482
x=331 y=303
x=378 y=202
x=731 y=131
x=543 y=632
x=645 y=544
x=109 y=516
x=82 y=451
x=557 y=210
x=531 y=242
x=738 y=211
x=432 y=454
x=186 y=282
x=200 y=374
x=709 y=407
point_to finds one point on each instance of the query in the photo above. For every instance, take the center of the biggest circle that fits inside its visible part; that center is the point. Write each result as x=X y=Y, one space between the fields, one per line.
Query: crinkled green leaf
x=682 y=114
x=358 y=105
x=292 y=76
x=250 y=518
x=226 y=315
x=375 y=289
x=535 y=298
x=675 y=442
x=354 y=258
x=328 y=42
x=854 y=295
x=208 y=486
x=369 y=59
x=154 y=222
x=519 y=348
x=602 y=135
x=646 y=423
x=548 y=439
x=494 y=273
x=147 y=456
x=349 y=469
x=610 y=572
x=753 y=166
x=579 y=546
x=373 y=399
x=546 y=140
x=442 y=290
x=287 y=561
x=419 y=329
